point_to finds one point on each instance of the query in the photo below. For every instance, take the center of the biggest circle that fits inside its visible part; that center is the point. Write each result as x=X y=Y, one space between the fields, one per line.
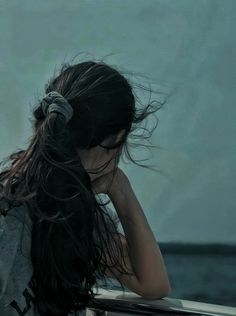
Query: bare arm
x=143 y=254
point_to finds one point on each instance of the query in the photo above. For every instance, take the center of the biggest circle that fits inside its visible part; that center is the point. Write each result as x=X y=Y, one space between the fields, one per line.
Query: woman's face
x=99 y=159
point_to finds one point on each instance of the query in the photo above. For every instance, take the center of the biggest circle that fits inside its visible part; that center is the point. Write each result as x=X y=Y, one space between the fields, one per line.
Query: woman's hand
x=110 y=182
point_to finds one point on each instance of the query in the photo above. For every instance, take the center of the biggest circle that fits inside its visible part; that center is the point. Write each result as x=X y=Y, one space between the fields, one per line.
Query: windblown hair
x=72 y=232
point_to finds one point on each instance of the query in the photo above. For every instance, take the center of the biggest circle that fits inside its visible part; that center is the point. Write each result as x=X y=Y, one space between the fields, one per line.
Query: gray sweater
x=16 y=297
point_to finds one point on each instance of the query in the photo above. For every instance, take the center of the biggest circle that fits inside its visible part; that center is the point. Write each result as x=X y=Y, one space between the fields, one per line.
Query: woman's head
x=102 y=101
x=52 y=177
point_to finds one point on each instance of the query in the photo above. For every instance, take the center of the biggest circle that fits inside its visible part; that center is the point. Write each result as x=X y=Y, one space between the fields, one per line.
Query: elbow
x=167 y=290
x=156 y=293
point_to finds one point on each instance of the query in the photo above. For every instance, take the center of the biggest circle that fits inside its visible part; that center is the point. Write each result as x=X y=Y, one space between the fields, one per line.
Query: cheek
x=113 y=162
x=110 y=158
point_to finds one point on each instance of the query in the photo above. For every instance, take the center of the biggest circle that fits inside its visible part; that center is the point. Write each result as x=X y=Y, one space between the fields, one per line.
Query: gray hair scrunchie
x=55 y=102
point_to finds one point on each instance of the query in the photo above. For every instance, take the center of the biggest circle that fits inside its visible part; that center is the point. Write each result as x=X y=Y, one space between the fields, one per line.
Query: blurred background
x=183 y=47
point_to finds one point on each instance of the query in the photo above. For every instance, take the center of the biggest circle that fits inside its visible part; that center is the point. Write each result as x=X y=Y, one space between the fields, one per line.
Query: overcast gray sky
x=185 y=46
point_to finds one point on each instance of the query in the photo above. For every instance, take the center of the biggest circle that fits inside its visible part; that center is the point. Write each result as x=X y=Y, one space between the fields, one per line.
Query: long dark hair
x=72 y=233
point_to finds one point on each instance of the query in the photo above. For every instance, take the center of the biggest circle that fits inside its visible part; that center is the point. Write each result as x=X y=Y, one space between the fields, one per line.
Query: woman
x=57 y=240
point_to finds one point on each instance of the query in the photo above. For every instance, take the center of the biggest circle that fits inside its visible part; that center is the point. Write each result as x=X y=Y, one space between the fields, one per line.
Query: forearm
x=144 y=252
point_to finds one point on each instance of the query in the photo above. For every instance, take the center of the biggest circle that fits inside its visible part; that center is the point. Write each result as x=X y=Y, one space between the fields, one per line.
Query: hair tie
x=55 y=102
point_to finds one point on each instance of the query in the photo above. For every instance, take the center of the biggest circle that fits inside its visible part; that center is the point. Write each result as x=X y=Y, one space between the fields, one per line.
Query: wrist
x=120 y=185
x=120 y=192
